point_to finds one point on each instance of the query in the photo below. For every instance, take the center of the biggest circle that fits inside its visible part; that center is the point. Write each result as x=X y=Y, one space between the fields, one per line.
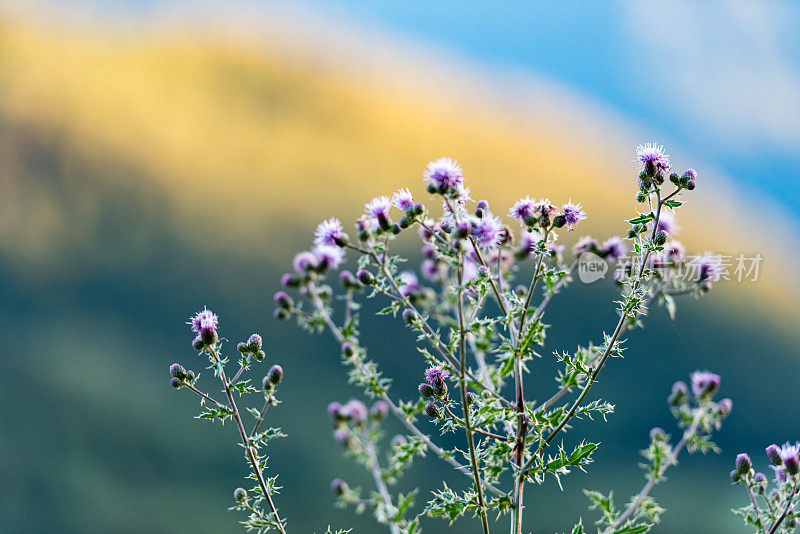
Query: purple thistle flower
x=543 y=207
x=780 y=474
x=614 y=248
x=788 y=450
x=666 y=223
x=709 y=267
x=378 y=206
x=487 y=231
x=430 y=270
x=304 y=261
x=203 y=320
x=402 y=199
x=704 y=383
x=341 y=436
x=652 y=156
x=379 y=410
x=585 y=244
x=572 y=213
x=329 y=232
x=774 y=454
x=675 y=250
x=522 y=209
x=356 y=410
x=436 y=376
x=445 y=174
x=329 y=256
x=334 y=409
x=410 y=283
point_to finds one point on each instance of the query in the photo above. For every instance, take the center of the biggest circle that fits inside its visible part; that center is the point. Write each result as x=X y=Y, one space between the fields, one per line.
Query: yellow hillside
x=241 y=139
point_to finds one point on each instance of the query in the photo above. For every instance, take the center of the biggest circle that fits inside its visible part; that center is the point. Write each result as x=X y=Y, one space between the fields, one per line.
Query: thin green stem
x=251 y=456
x=465 y=403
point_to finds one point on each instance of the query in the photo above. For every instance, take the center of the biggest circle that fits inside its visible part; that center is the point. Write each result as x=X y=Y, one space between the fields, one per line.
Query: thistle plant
x=778 y=508
x=476 y=309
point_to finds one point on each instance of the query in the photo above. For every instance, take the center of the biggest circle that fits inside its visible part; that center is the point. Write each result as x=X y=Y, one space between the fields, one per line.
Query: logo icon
x=591 y=267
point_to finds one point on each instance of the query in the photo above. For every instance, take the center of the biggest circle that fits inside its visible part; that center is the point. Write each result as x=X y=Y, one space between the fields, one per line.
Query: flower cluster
x=258 y=504
x=773 y=509
x=475 y=307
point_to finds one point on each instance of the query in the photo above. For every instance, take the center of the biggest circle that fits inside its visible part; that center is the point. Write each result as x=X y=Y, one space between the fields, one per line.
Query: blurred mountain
x=146 y=174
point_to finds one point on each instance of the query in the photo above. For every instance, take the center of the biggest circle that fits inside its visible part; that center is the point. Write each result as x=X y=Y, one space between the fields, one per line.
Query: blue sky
x=721 y=80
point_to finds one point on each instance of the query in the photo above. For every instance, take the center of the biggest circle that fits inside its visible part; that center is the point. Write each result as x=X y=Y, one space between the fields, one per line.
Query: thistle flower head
x=543 y=207
x=410 y=283
x=572 y=213
x=444 y=174
x=379 y=410
x=436 y=376
x=614 y=248
x=378 y=207
x=651 y=155
x=522 y=209
x=304 y=261
x=585 y=244
x=488 y=231
x=774 y=454
x=330 y=233
x=788 y=450
x=709 y=267
x=176 y=370
x=666 y=222
x=356 y=410
x=329 y=256
x=675 y=250
x=704 y=383
x=402 y=199
x=203 y=321
x=780 y=474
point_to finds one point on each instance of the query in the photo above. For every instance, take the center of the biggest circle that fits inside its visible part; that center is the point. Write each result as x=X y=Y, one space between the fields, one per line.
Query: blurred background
x=159 y=156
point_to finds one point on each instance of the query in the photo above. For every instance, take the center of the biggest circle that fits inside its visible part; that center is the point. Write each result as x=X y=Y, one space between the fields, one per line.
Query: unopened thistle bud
x=704 y=384
x=339 y=486
x=760 y=482
x=254 y=343
x=432 y=411
x=743 y=463
x=724 y=407
x=641 y=196
x=687 y=181
x=379 y=410
x=365 y=277
x=334 y=409
x=774 y=454
x=426 y=390
x=471 y=397
x=280 y=314
x=175 y=382
x=348 y=349
x=176 y=370
x=481 y=208
x=679 y=393
x=198 y=343
x=657 y=434
x=410 y=316
x=559 y=221
x=275 y=374
x=259 y=355
x=290 y=280
x=283 y=300
x=660 y=238
x=190 y=376
x=240 y=494
x=735 y=476
x=462 y=230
